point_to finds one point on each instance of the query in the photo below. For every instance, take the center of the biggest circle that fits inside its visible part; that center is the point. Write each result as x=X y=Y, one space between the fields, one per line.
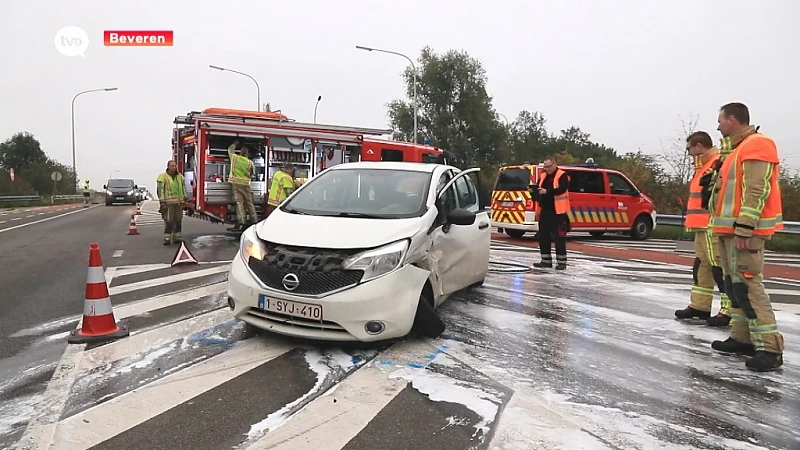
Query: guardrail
x=20 y=198
x=67 y=197
x=676 y=220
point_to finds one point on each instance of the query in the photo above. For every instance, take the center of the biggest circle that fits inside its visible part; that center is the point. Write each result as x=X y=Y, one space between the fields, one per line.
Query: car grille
x=318 y=270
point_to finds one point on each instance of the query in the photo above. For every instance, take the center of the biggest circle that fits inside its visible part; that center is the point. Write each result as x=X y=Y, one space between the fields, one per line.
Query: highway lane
x=591 y=358
x=11 y=219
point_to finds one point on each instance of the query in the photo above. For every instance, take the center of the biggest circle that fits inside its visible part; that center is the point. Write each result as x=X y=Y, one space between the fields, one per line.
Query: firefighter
x=747 y=211
x=171 y=189
x=706 y=271
x=86 y=193
x=283 y=184
x=552 y=206
x=239 y=177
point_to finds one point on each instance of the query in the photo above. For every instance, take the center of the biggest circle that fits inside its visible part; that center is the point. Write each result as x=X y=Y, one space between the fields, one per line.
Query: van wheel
x=641 y=228
x=426 y=322
x=515 y=234
x=597 y=234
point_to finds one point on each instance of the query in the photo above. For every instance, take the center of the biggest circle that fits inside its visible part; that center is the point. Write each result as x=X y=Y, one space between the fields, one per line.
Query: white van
x=363 y=252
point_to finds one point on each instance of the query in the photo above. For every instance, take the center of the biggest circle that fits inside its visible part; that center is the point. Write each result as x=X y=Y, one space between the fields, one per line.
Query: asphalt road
x=534 y=359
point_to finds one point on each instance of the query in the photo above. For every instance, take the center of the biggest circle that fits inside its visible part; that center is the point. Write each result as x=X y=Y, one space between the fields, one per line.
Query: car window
x=466 y=194
x=619 y=185
x=586 y=182
x=448 y=201
x=513 y=180
x=120 y=184
x=390 y=194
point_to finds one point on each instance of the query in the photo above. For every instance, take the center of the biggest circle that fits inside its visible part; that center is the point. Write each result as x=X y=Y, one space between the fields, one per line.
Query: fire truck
x=200 y=147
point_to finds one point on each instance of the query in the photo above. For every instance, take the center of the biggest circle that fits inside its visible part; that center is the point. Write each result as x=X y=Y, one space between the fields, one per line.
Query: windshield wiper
x=294 y=211
x=359 y=215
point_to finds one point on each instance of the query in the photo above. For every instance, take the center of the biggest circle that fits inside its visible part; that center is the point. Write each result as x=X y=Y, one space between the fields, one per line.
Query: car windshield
x=120 y=184
x=369 y=193
x=513 y=180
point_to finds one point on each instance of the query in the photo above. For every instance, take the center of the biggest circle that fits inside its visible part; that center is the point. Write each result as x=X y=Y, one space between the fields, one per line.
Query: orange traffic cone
x=132 y=228
x=138 y=209
x=98 y=316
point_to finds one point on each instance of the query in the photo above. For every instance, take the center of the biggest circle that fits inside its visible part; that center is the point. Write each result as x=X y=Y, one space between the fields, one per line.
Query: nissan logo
x=290 y=282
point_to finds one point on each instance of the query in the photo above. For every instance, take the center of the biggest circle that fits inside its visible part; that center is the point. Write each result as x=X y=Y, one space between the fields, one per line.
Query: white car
x=363 y=252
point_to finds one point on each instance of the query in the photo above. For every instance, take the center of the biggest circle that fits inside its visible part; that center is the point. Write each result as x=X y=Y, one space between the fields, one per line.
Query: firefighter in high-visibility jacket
x=283 y=184
x=746 y=206
x=86 y=193
x=552 y=208
x=239 y=178
x=171 y=189
x=707 y=271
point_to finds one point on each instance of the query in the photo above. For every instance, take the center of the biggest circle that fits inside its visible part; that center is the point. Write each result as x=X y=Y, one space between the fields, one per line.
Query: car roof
x=390 y=165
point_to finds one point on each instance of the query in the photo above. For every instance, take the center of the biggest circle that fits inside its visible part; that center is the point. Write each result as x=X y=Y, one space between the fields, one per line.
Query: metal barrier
x=67 y=197
x=676 y=220
x=19 y=198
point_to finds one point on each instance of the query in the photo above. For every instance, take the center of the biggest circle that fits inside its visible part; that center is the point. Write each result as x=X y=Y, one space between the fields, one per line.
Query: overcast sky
x=624 y=71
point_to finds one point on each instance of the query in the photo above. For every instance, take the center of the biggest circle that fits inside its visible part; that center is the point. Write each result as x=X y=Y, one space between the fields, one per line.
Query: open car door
x=460 y=234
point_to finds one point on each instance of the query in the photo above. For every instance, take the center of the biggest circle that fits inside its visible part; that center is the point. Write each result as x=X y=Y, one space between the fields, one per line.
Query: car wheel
x=641 y=228
x=515 y=234
x=426 y=321
x=108 y=204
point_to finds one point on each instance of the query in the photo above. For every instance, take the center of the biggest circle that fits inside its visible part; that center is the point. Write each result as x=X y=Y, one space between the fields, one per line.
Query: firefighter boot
x=731 y=345
x=545 y=263
x=691 y=313
x=720 y=320
x=764 y=361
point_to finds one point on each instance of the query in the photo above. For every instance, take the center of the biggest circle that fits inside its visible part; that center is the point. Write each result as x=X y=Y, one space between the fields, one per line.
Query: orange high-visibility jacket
x=728 y=211
x=562 y=200
x=696 y=216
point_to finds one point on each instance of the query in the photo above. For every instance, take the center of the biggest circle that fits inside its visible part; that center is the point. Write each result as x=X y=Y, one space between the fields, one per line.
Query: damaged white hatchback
x=363 y=252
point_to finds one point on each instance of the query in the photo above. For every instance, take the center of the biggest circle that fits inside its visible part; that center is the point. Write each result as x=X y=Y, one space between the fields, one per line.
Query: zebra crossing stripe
x=107 y=420
x=115 y=290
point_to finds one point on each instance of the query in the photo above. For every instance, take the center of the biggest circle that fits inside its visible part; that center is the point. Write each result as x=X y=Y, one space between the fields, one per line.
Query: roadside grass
x=784 y=243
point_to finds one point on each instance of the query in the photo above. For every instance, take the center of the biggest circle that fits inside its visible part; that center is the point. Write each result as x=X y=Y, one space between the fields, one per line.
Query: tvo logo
x=72 y=41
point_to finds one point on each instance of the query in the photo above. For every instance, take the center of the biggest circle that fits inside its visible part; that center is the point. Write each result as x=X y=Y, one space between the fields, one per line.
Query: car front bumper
x=391 y=299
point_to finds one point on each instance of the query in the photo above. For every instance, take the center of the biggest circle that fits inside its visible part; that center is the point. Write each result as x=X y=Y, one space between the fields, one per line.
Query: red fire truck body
x=200 y=141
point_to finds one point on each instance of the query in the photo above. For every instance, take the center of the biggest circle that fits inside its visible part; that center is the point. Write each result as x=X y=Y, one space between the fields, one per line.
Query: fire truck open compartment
x=201 y=140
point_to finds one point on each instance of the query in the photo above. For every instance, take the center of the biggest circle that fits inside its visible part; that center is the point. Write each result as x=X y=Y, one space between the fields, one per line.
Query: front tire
x=642 y=227
x=515 y=234
x=426 y=322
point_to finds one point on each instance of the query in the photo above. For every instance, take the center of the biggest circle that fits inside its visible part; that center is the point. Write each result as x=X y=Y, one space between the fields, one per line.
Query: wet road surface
x=534 y=359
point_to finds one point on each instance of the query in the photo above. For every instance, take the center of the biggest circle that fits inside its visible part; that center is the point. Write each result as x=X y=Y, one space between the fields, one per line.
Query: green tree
x=32 y=168
x=20 y=151
x=454 y=110
x=528 y=138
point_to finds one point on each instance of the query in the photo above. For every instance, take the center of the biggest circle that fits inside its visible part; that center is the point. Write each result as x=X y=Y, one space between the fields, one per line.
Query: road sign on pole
x=56 y=176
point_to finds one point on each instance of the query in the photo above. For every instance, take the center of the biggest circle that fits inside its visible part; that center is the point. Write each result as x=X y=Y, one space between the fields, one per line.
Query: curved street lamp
x=74 y=169
x=258 y=88
x=413 y=67
x=315 y=108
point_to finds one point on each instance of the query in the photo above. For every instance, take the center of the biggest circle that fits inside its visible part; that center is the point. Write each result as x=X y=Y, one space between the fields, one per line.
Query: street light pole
x=315 y=108
x=258 y=88
x=413 y=67
x=74 y=169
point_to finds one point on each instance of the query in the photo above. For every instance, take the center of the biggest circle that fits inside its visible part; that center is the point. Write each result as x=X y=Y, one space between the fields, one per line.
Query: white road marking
x=15 y=218
x=118 y=253
x=41 y=429
x=110 y=418
x=40 y=214
x=46 y=219
x=130 y=270
x=165 y=280
x=3 y=221
x=163 y=301
x=325 y=425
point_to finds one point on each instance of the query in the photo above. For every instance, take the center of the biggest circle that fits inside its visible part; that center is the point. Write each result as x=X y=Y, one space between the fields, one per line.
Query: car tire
x=515 y=234
x=108 y=204
x=642 y=227
x=426 y=322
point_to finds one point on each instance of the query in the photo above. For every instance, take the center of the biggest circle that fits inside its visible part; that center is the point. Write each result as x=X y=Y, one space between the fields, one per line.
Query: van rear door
x=510 y=196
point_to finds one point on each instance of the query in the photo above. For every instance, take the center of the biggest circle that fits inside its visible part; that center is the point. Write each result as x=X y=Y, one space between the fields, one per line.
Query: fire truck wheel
x=516 y=234
x=426 y=322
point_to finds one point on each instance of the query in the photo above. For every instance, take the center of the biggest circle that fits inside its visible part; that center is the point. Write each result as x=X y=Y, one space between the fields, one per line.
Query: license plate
x=507 y=204
x=120 y=198
x=297 y=309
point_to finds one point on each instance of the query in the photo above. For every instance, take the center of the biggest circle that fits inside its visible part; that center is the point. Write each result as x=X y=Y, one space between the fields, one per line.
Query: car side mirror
x=135 y=186
x=635 y=193
x=460 y=216
x=105 y=187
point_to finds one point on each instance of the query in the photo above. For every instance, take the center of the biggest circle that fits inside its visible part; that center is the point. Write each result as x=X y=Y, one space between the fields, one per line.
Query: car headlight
x=250 y=245
x=109 y=192
x=130 y=192
x=378 y=262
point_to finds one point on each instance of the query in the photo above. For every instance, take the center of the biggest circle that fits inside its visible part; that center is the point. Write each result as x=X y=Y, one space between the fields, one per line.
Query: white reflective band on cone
x=95 y=275
x=97 y=307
